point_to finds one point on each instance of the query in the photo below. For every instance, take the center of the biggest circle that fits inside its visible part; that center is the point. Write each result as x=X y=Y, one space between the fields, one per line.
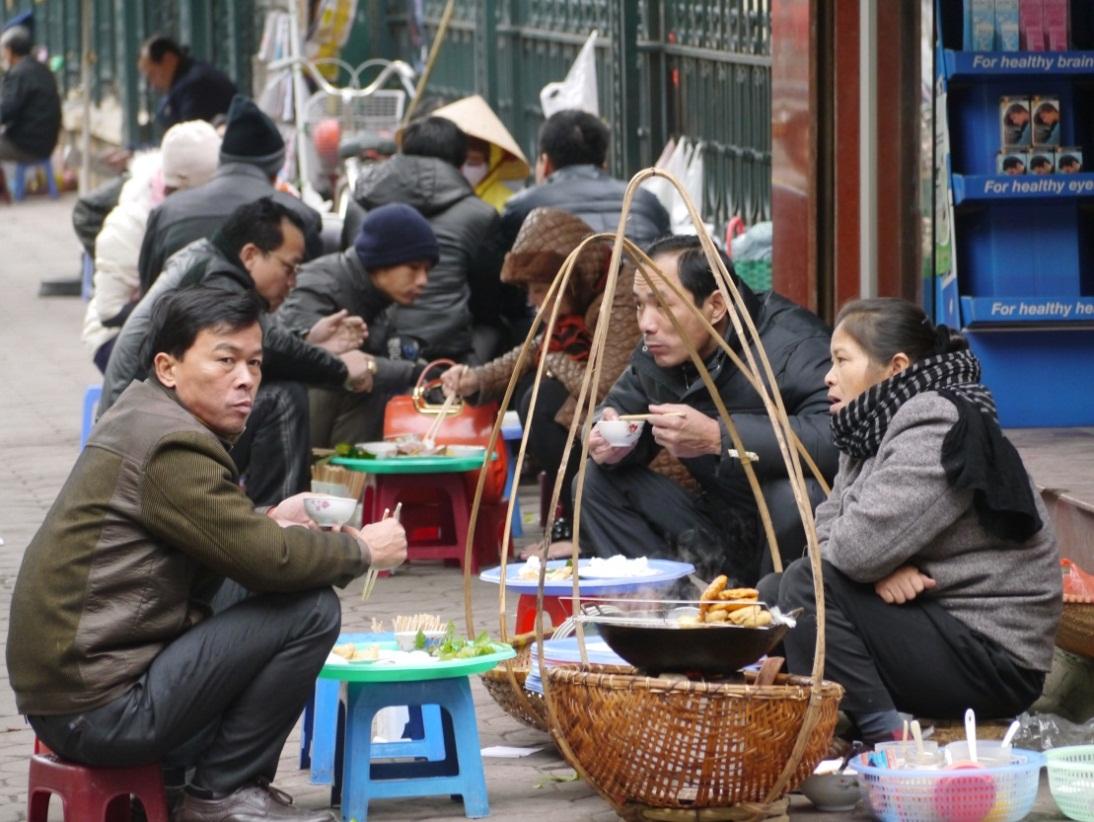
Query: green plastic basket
x=1071 y=780
x=755 y=273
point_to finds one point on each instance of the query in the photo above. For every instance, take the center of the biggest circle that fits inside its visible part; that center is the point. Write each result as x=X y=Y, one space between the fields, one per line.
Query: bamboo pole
x=760 y=374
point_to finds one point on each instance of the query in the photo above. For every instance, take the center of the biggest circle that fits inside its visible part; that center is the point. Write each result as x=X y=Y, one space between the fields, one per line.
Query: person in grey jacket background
x=251 y=154
x=570 y=175
x=941 y=575
x=387 y=266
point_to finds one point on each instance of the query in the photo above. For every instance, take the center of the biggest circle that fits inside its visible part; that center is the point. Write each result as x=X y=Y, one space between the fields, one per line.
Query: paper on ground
x=509 y=752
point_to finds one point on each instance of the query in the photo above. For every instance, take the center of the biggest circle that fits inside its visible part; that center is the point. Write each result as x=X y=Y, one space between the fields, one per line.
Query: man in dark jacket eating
x=118 y=652
x=628 y=509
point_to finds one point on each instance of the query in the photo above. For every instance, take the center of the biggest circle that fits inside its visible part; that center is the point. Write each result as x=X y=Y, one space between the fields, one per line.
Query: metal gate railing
x=664 y=68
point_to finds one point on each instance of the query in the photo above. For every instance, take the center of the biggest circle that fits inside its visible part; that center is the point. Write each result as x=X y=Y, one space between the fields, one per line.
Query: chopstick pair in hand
x=435 y=427
x=373 y=573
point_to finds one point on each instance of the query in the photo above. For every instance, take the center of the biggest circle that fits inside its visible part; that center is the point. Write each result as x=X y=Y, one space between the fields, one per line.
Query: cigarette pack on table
x=1042 y=160
x=1006 y=25
x=1014 y=128
x=979 y=25
x=1045 y=113
x=1069 y=160
x=1032 y=25
x=1012 y=161
x=1057 y=23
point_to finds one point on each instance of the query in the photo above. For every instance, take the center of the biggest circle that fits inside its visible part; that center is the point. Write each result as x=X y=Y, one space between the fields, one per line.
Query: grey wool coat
x=897 y=508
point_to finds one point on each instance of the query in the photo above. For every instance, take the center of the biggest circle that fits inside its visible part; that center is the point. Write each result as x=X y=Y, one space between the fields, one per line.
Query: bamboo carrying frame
x=757 y=370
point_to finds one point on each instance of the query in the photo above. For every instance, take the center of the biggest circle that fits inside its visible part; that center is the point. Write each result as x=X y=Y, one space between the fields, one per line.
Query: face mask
x=473 y=174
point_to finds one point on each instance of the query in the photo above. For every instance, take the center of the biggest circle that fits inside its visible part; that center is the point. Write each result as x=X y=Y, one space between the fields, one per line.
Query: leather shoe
x=251 y=803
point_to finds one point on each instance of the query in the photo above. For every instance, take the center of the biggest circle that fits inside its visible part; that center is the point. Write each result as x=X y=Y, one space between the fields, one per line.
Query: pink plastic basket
x=1002 y=793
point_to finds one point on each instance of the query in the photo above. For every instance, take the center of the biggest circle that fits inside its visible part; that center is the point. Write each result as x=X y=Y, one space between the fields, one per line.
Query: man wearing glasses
x=258 y=249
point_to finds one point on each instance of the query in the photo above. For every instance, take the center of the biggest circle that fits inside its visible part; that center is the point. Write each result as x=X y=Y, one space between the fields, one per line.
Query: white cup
x=621 y=433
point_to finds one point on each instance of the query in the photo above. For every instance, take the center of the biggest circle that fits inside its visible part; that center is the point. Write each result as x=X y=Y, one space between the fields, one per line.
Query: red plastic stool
x=93 y=794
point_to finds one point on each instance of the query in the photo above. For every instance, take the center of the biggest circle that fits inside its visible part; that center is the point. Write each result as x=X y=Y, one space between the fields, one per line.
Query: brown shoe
x=251 y=803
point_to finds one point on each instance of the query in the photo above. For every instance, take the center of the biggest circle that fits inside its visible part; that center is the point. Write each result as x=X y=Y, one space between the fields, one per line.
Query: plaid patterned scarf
x=859 y=427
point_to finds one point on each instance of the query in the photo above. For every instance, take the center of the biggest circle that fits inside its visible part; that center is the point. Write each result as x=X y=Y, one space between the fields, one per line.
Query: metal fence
x=220 y=31
x=700 y=68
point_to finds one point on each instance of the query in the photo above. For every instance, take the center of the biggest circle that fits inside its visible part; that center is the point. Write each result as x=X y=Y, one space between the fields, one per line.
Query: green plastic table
x=395 y=478
x=410 y=465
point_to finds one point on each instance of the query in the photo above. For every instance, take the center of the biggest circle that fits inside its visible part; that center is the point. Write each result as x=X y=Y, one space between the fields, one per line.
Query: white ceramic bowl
x=379 y=450
x=329 y=511
x=621 y=432
x=832 y=792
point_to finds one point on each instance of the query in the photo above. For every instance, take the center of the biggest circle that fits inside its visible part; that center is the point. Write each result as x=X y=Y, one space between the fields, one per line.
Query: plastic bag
x=1078 y=584
x=578 y=90
x=1039 y=732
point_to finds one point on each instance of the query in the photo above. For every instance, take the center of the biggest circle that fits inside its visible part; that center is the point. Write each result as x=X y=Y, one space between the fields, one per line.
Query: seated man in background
x=114 y=654
x=257 y=250
x=251 y=154
x=629 y=509
x=388 y=265
x=426 y=174
x=191 y=89
x=30 y=107
x=571 y=176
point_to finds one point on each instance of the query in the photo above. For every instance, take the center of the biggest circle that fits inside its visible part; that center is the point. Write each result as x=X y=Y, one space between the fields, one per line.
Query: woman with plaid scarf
x=941 y=573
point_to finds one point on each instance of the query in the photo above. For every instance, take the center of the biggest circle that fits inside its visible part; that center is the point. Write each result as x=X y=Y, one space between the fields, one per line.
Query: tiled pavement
x=43 y=373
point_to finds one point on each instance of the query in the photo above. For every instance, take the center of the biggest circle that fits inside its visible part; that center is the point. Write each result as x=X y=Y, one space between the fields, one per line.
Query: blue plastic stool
x=19 y=184
x=91 y=404
x=87 y=276
x=459 y=773
x=511 y=433
x=321 y=741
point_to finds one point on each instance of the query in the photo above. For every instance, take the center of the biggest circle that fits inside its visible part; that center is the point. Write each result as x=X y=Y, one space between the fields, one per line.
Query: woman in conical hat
x=493 y=156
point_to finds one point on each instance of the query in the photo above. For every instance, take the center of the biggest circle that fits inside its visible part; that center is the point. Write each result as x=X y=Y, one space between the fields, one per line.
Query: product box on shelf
x=1012 y=161
x=1006 y=25
x=1046 y=120
x=1032 y=25
x=1069 y=160
x=1042 y=160
x=1014 y=128
x=980 y=25
x=1057 y=24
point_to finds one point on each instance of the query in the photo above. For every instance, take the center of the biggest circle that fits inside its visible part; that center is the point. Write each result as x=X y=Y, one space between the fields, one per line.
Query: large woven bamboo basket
x=723 y=745
x=1076 y=631
x=665 y=749
x=531 y=709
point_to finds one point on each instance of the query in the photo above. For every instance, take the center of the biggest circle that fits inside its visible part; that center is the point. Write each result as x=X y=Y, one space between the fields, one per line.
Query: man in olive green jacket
x=116 y=654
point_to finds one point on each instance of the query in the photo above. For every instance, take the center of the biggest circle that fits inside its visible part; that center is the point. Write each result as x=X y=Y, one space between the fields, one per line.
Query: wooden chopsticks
x=373 y=573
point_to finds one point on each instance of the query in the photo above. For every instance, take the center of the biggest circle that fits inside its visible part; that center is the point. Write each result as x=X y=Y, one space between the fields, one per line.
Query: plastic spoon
x=1008 y=737
x=970 y=733
x=917 y=735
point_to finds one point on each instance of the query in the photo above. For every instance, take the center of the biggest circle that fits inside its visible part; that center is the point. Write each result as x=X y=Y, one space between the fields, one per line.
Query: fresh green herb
x=419 y=640
x=456 y=647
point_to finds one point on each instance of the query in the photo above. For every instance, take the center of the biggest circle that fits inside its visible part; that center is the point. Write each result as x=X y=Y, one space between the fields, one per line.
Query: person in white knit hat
x=187 y=158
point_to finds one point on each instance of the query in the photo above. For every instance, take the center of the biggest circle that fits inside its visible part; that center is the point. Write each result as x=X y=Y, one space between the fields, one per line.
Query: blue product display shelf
x=960 y=65
x=1041 y=377
x=1000 y=187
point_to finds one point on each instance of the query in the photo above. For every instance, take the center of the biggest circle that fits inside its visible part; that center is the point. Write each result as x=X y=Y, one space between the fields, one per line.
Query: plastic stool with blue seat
x=321 y=740
x=92 y=395
x=511 y=430
x=19 y=184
